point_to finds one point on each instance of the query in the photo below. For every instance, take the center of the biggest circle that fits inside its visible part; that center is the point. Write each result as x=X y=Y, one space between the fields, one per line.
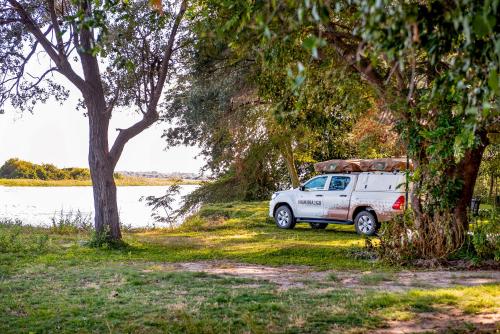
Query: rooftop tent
x=362 y=165
x=338 y=166
x=385 y=165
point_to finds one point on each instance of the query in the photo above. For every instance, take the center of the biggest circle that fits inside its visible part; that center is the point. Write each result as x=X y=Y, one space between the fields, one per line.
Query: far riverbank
x=123 y=181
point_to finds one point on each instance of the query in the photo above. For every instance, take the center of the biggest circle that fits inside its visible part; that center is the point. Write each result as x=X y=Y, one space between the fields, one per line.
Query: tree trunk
x=287 y=152
x=102 y=170
x=442 y=228
x=468 y=170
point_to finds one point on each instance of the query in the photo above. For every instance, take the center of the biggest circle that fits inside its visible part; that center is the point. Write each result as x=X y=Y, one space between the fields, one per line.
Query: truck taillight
x=399 y=204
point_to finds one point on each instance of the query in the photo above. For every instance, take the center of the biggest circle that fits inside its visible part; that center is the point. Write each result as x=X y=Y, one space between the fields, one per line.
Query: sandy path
x=447 y=320
x=295 y=276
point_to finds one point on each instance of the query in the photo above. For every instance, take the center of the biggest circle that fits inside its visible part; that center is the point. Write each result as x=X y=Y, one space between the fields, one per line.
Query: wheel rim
x=365 y=224
x=283 y=218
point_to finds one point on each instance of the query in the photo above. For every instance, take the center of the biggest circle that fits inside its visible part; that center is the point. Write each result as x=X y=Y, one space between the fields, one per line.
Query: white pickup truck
x=364 y=199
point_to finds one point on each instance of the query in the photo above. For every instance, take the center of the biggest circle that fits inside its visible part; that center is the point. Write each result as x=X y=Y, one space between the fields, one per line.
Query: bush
x=401 y=242
x=19 y=169
x=15 y=238
x=103 y=240
x=78 y=173
x=485 y=237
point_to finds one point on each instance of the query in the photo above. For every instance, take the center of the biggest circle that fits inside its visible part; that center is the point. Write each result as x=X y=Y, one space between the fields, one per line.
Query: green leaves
x=493 y=81
x=313 y=43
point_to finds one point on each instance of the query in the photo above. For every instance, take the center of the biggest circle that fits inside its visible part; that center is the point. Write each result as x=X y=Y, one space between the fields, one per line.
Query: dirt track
x=446 y=320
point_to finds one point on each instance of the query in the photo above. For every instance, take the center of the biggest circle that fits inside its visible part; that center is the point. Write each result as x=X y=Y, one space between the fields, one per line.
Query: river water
x=37 y=205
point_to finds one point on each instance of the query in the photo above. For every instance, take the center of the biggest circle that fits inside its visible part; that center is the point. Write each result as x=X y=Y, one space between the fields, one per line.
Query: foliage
x=402 y=242
x=163 y=203
x=256 y=181
x=433 y=67
x=103 y=240
x=16 y=238
x=486 y=236
x=239 y=102
x=489 y=173
x=376 y=139
x=450 y=52
x=18 y=169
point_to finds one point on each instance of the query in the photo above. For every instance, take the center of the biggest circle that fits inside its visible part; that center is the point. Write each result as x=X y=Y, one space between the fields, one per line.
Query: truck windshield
x=316 y=184
x=339 y=182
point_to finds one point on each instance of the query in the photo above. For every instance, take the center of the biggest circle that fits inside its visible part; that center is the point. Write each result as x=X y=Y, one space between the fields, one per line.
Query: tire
x=318 y=226
x=366 y=223
x=284 y=217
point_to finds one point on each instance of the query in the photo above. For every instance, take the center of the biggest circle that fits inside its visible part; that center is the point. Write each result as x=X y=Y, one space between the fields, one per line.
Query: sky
x=59 y=135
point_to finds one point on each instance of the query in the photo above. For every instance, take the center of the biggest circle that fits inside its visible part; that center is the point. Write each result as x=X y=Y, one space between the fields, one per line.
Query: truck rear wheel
x=366 y=223
x=284 y=217
x=318 y=226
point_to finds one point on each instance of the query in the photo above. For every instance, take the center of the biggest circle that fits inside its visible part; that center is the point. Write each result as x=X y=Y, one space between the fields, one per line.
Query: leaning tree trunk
x=101 y=170
x=467 y=171
x=442 y=222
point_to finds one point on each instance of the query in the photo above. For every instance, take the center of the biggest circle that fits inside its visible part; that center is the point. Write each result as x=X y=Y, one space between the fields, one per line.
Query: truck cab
x=364 y=199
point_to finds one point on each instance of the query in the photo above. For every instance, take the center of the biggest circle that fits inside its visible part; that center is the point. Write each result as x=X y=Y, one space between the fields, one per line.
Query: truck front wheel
x=284 y=217
x=365 y=223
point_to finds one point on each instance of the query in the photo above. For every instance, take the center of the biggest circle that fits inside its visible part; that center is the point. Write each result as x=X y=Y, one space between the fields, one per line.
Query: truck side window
x=339 y=182
x=316 y=184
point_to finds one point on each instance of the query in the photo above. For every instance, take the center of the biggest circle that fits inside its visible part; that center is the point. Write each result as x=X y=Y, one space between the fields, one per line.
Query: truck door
x=338 y=196
x=310 y=200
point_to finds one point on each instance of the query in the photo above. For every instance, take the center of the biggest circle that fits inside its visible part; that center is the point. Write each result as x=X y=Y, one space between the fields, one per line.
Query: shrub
x=19 y=169
x=486 y=237
x=402 y=241
x=78 y=173
x=104 y=241
x=15 y=238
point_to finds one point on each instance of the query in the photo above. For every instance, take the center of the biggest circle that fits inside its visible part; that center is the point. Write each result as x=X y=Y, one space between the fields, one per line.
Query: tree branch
x=351 y=54
x=62 y=64
x=52 y=69
x=57 y=30
x=151 y=116
x=166 y=58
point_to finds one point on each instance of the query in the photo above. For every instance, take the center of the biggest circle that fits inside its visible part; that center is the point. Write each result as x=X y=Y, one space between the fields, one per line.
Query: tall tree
x=238 y=93
x=116 y=53
x=434 y=66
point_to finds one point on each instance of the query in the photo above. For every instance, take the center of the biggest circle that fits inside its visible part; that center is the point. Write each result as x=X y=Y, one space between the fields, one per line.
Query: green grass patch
x=60 y=285
x=147 y=298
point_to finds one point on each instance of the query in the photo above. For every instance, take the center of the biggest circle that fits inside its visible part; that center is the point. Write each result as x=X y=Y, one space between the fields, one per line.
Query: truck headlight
x=274 y=196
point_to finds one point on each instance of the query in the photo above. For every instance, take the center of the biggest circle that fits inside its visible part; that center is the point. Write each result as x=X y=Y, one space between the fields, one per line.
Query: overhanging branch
x=151 y=115
x=62 y=63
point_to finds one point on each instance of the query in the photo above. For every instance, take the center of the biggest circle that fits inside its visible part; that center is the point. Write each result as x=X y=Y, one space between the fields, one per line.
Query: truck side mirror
x=302 y=188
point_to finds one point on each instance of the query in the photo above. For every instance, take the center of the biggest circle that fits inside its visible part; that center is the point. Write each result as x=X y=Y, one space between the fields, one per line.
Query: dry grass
x=123 y=181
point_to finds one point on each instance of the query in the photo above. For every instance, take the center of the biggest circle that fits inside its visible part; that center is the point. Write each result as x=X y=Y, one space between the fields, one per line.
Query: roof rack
x=364 y=165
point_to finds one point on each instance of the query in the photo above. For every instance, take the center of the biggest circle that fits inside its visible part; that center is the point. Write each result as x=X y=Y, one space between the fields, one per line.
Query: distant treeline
x=19 y=169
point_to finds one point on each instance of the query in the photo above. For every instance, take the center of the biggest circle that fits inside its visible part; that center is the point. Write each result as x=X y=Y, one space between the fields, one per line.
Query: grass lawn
x=51 y=282
x=123 y=181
